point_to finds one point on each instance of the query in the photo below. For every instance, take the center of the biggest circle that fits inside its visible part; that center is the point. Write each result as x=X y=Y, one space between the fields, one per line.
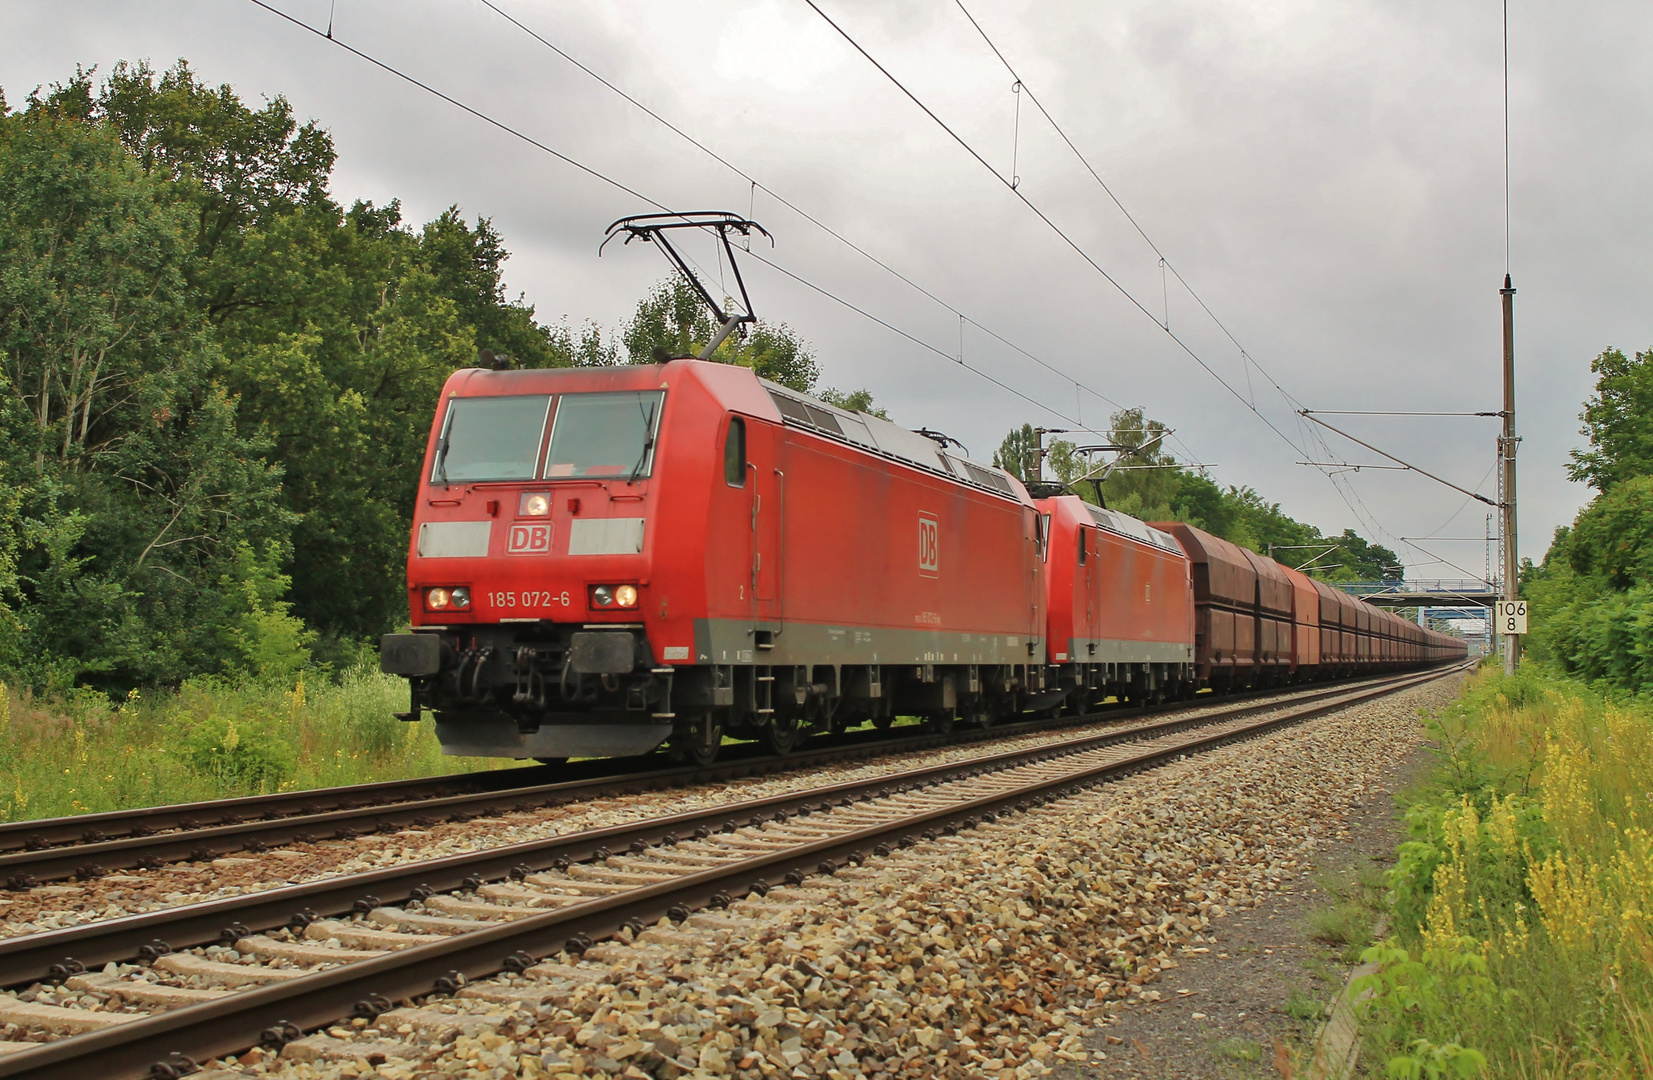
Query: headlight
x=534 y=504
x=446 y=598
x=613 y=596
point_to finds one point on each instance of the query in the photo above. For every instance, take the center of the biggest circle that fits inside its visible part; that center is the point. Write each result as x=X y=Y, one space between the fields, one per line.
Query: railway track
x=286 y=961
x=88 y=847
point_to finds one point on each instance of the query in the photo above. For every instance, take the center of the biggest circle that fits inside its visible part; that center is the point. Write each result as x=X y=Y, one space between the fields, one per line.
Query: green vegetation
x=1149 y=484
x=1524 y=935
x=1304 y=1007
x=1591 y=599
x=1357 y=904
x=218 y=381
x=208 y=739
x=1237 y=1049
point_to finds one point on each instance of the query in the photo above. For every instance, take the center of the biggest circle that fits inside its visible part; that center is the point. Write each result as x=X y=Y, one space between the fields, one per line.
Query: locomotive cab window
x=734 y=453
x=604 y=435
x=490 y=438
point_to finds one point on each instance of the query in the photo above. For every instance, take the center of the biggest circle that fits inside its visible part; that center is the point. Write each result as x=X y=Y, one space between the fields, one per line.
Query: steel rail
x=171 y=1043
x=429 y=802
x=57 y=954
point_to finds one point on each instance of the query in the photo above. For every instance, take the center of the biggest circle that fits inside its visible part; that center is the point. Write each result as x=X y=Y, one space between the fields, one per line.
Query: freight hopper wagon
x=1258 y=623
x=606 y=559
x=1120 y=608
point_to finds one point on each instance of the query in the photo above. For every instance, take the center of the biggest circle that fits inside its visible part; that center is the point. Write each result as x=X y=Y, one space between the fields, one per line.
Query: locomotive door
x=1035 y=576
x=768 y=486
x=1090 y=554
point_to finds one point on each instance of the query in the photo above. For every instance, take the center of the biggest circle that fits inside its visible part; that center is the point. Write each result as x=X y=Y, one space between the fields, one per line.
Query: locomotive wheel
x=883 y=723
x=780 y=735
x=699 y=744
x=941 y=723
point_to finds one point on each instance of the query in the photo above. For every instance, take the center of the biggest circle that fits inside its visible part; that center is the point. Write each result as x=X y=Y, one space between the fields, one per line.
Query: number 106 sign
x=1512 y=616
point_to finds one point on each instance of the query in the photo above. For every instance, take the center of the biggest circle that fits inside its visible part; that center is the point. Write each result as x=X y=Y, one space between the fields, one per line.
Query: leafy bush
x=247 y=756
x=74 y=752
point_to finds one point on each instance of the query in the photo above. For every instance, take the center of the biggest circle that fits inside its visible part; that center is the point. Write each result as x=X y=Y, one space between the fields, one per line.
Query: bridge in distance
x=1443 y=593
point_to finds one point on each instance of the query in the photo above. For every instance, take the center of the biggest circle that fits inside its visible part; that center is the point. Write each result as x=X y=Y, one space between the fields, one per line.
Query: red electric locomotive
x=604 y=559
x=1121 y=606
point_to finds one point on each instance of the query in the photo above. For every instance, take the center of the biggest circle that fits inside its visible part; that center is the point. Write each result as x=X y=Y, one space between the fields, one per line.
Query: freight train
x=607 y=560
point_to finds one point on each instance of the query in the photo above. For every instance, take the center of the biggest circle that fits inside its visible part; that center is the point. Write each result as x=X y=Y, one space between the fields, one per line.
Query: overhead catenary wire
x=1053 y=226
x=755 y=185
x=1165 y=263
x=1249 y=362
x=1406 y=464
x=1465 y=504
x=1391 y=412
x=835 y=298
x=456 y=103
x=1349 y=497
x=620 y=186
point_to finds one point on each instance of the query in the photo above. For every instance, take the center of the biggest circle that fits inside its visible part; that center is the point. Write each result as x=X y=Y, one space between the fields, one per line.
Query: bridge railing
x=1458 y=586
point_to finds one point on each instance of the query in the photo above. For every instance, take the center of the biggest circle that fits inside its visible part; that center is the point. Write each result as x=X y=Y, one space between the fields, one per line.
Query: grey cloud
x=1329 y=177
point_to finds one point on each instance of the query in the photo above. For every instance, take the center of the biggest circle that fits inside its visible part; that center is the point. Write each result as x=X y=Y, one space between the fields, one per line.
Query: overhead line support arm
x=1425 y=472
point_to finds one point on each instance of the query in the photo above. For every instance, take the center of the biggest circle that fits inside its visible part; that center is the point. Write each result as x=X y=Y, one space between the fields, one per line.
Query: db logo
x=529 y=540
x=929 y=546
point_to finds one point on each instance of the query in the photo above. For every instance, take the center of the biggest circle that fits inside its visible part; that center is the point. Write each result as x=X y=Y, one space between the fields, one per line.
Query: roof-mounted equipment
x=942 y=439
x=652 y=228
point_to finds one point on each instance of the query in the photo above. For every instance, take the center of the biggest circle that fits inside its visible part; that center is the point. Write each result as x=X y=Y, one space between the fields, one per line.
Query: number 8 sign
x=1512 y=616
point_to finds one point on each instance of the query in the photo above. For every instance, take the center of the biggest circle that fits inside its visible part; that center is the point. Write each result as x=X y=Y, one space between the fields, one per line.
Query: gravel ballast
x=1009 y=950
x=52 y=907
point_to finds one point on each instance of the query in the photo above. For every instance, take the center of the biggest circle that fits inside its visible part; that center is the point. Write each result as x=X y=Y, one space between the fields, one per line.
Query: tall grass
x=209 y=739
x=1523 y=900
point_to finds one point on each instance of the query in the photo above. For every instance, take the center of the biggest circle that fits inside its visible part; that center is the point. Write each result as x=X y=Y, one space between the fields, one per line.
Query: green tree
x=92 y=295
x=1140 y=478
x=1018 y=454
x=1618 y=420
x=468 y=264
x=240 y=168
x=132 y=483
x=1591 y=598
x=853 y=400
x=1612 y=537
x=336 y=327
x=673 y=321
x=1202 y=503
x=216 y=382
x=1368 y=561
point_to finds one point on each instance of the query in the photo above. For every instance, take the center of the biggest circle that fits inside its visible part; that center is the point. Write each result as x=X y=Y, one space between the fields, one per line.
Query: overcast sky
x=1327 y=176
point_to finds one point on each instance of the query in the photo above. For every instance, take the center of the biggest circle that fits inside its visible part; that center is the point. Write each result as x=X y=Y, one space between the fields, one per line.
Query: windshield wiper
x=648 y=443
x=442 y=460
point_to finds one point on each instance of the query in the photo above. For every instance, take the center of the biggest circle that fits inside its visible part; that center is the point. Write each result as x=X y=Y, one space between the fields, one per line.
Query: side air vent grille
x=811 y=416
x=993 y=480
x=888 y=440
x=824 y=420
x=792 y=409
